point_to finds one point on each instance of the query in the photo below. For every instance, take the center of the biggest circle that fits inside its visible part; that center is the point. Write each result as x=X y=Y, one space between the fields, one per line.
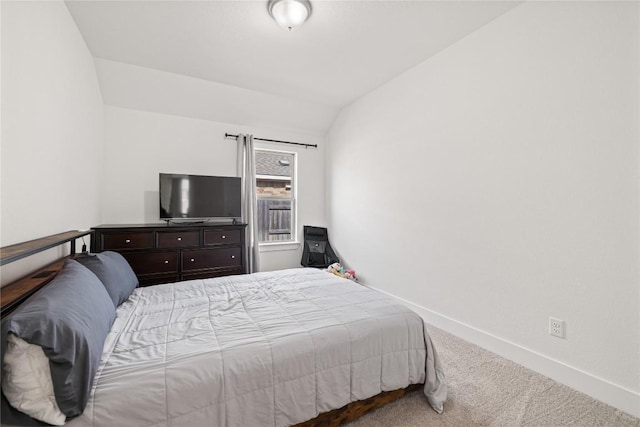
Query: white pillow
x=26 y=381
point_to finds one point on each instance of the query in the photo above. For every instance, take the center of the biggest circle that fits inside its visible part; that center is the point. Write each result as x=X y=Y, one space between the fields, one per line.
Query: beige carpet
x=488 y=390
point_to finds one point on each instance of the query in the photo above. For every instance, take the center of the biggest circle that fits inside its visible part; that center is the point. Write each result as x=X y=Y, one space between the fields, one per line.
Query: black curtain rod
x=228 y=135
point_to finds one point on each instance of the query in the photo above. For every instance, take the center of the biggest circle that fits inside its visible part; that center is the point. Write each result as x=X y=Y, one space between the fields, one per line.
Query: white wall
x=52 y=127
x=496 y=184
x=141 y=144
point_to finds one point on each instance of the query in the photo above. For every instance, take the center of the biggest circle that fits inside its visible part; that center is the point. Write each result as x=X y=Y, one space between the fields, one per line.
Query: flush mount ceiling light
x=289 y=13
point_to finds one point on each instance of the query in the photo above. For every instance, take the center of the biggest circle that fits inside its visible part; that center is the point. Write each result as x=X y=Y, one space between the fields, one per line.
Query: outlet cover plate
x=556 y=327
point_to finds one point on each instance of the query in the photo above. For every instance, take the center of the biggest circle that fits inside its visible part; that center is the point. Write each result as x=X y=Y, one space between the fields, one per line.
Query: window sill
x=279 y=246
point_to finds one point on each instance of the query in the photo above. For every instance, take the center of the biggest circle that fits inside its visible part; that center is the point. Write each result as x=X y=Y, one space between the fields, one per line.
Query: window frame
x=293 y=243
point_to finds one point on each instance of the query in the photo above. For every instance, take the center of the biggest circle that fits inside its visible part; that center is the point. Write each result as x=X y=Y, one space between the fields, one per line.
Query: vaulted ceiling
x=344 y=50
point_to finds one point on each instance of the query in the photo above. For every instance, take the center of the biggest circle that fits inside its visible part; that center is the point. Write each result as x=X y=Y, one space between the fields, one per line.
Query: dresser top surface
x=170 y=226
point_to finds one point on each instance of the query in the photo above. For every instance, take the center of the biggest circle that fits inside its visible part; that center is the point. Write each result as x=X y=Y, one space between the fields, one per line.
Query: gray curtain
x=247 y=171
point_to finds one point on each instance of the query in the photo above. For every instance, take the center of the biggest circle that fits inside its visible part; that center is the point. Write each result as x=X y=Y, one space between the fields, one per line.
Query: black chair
x=317 y=251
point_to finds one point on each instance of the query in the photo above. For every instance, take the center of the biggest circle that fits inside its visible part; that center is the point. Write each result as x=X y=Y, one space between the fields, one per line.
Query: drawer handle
x=127 y=241
x=233 y=257
x=179 y=239
x=192 y=259
x=166 y=262
x=224 y=237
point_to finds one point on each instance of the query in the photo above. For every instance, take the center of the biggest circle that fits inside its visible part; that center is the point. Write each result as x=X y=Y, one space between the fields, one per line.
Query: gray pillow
x=70 y=319
x=114 y=272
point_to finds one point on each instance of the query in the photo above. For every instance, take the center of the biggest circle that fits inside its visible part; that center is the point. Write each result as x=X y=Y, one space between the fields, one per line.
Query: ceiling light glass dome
x=290 y=13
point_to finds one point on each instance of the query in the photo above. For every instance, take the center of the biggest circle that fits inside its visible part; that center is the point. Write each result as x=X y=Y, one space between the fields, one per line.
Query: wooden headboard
x=13 y=294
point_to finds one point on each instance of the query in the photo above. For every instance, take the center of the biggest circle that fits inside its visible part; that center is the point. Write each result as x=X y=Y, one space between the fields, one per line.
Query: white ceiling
x=344 y=50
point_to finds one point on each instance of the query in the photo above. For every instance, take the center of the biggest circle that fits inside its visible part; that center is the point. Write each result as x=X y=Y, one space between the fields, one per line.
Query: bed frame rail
x=355 y=410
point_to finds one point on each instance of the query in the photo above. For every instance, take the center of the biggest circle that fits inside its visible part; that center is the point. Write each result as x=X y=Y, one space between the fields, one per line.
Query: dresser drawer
x=211 y=258
x=221 y=237
x=177 y=239
x=153 y=262
x=208 y=274
x=158 y=279
x=127 y=240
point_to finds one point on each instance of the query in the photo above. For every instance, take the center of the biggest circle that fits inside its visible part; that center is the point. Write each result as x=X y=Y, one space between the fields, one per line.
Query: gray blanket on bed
x=269 y=349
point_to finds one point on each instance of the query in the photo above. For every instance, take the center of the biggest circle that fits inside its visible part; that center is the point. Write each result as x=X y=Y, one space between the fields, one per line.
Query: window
x=275 y=182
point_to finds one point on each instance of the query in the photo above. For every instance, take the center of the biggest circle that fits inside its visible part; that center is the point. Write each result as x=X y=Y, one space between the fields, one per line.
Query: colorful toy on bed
x=339 y=270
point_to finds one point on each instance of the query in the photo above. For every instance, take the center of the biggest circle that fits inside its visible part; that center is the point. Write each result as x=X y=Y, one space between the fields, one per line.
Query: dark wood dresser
x=160 y=253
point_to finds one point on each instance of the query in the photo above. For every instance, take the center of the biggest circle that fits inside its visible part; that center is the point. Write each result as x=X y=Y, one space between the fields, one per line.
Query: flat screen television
x=199 y=197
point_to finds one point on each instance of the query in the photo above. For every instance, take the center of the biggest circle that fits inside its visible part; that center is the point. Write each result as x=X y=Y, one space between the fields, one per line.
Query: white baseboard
x=605 y=391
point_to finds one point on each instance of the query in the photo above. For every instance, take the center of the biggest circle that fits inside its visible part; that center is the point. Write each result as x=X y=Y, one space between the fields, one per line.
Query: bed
x=266 y=349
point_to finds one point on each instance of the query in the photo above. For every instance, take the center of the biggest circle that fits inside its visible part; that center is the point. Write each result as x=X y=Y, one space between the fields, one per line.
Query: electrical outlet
x=556 y=327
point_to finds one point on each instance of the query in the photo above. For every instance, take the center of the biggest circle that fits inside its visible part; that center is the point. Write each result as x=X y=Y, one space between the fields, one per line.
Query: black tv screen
x=199 y=196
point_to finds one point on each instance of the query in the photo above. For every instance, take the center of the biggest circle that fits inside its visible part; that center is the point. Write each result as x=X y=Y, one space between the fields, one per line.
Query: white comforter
x=268 y=349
